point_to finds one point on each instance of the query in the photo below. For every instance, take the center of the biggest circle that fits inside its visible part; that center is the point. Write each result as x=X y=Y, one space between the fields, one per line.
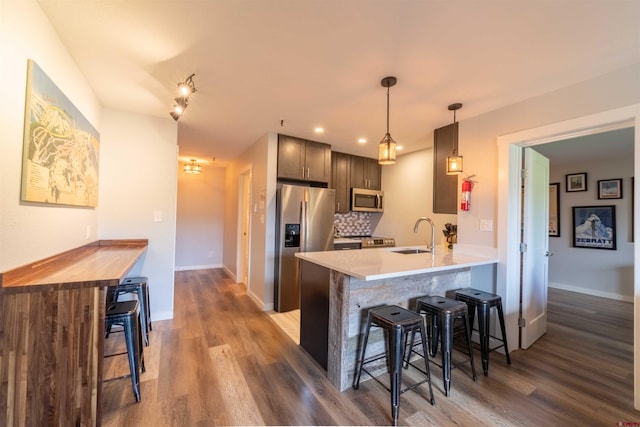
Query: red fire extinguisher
x=465 y=200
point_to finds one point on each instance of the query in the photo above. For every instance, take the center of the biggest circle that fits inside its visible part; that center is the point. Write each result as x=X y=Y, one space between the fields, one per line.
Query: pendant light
x=387 y=147
x=454 y=160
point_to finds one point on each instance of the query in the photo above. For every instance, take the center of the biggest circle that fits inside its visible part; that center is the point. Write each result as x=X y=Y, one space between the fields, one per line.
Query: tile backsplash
x=352 y=224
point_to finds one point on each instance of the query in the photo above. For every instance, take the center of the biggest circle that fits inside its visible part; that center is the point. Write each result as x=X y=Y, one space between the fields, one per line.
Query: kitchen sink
x=410 y=251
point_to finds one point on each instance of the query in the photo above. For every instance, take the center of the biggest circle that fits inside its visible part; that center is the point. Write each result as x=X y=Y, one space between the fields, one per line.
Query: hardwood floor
x=222 y=361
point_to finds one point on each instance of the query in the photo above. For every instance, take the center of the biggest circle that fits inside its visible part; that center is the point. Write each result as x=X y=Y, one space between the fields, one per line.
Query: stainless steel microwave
x=365 y=200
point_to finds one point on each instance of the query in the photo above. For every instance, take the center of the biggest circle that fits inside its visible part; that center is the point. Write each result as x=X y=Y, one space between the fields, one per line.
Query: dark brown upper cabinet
x=303 y=160
x=445 y=187
x=366 y=173
x=341 y=180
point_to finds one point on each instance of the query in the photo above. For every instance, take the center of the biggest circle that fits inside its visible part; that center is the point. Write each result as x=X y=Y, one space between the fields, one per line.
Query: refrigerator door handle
x=303 y=226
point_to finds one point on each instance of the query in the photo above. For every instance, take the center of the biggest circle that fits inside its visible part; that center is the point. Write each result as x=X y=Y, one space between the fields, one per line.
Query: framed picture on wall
x=576 y=182
x=554 y=209
x=594 y=227
x=610 y=189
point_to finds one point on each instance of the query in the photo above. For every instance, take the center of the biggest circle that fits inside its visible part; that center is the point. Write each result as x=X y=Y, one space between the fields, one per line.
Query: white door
x=535 y=248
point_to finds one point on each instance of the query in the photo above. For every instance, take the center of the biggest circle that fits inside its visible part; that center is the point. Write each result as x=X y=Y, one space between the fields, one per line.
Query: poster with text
x=594 y=227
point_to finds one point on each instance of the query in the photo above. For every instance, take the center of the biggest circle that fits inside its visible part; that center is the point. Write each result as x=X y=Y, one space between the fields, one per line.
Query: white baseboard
x=166 y=315
x=594 y=292
x=198 y=267
x=230 y=273
x=257 y=301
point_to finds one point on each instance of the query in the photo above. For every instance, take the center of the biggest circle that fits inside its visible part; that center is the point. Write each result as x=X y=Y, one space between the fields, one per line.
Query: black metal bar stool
x=397 y=322
x=441 y=313
x=140 y=287
x=126 y=314
x=484 y=301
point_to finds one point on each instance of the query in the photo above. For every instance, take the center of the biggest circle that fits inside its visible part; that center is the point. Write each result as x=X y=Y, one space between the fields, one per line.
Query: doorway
x=244 y=227
x=509 y=161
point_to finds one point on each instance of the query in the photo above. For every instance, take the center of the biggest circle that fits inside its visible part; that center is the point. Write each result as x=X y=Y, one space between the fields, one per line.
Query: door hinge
x=522 y=322
x=523 y=173
x=523 y=247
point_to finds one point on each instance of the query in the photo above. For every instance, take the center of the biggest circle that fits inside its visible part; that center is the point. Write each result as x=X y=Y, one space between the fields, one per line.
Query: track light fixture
x=185 y=90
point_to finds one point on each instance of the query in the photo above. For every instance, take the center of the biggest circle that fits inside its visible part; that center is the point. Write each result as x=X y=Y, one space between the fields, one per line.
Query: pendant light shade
x=454 y=160
x=387 y=146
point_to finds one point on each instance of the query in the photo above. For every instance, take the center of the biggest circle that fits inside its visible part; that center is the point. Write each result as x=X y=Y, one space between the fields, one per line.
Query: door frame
x=509 y=164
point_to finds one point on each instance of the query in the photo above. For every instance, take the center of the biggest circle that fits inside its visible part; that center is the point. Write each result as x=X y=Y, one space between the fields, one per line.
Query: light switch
x=157 y=216
x=486 y=225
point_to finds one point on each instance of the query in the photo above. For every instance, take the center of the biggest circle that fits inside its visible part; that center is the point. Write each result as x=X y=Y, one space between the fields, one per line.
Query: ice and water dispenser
x=292 y=235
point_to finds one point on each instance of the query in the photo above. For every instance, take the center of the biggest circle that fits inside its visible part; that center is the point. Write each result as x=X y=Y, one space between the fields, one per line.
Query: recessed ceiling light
x=362 y=140
x=319 y=130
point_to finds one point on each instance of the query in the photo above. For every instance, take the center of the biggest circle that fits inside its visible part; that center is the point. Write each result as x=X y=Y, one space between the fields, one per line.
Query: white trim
x=197 y=267
x=592 y=292
x=231 y=274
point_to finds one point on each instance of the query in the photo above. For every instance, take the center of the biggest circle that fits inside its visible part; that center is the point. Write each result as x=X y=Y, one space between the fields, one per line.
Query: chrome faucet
x=431 y=248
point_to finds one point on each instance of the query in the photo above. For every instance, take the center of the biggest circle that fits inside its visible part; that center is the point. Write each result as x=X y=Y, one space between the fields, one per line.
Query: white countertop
x=384 y=263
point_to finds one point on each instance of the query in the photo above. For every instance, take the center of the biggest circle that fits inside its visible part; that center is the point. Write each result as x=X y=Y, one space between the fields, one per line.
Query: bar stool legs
x=440 y=315
x=484 y=301
x=398 y=322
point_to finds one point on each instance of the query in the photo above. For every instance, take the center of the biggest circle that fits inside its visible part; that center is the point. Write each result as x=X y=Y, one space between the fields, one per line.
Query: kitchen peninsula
x=338 y=287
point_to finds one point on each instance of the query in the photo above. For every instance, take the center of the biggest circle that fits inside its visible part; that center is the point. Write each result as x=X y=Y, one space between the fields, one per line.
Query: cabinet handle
x=308 y=175
x=338 y=206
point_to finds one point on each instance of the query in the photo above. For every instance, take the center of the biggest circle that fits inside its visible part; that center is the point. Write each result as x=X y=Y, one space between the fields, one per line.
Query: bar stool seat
x=138 y=286
x=484 y=301
x=397 y=322
x=126 y=314
x=441 y=313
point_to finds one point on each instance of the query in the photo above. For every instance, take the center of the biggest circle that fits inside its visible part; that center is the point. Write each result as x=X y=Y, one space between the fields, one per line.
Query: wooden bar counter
x=52 y=334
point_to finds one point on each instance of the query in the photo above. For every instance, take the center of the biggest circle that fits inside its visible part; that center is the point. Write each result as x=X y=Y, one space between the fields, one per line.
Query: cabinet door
x=357 y=172
x=373 y=174
x=291 y=154
x=445 y=187
x=341 y=180
x=317 y=165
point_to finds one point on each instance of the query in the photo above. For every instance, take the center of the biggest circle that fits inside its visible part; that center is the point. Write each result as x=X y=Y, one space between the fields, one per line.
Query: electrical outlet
x=486 y=225
x=88 y=232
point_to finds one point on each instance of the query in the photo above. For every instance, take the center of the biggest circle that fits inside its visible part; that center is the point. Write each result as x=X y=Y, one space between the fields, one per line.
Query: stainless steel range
x=377 y=242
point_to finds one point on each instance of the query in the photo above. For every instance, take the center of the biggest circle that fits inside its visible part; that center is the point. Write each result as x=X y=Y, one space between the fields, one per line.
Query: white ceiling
x=319 y=62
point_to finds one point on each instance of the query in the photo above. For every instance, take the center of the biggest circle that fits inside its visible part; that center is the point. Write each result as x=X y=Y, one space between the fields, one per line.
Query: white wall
x=604 y=273
x=200 y=218
x=138 y=162
x=29 y=232
x=261 y=159
x=408 y=192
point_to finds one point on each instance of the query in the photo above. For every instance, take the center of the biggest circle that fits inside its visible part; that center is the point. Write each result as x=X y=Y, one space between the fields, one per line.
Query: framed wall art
x=554 y=209
x=576 y=182
x=594 y=227
x=610 y=189
x=60 y=149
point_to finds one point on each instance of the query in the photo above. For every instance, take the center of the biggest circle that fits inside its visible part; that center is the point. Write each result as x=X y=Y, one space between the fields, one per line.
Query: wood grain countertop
x=101 y=263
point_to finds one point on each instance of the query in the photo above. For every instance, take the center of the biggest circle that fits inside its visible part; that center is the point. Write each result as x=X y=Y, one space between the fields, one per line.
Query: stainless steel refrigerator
x=304 y=224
